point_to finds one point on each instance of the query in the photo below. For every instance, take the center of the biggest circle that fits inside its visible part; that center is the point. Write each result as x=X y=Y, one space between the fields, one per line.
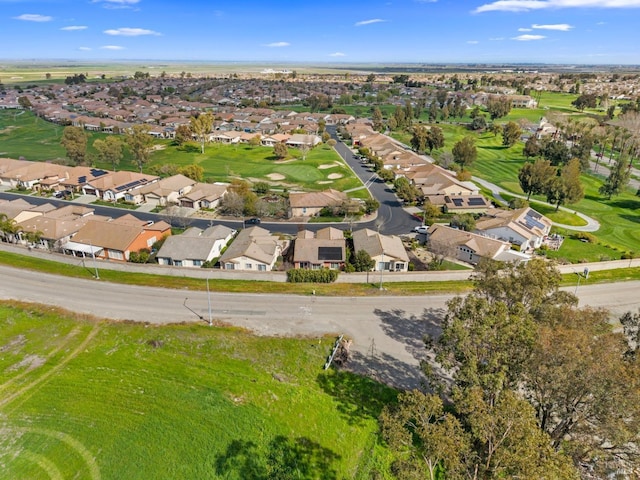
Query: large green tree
x=618 y=179
x=74 y=141
x=565 y=188
x=465 y=152
x=419 y=138
x=109 y=150
x=534 y=177
x=140 y=143
x=435 y=138
x=427 y=440
x=511 y=132
x=498 y=106
x=201 y=127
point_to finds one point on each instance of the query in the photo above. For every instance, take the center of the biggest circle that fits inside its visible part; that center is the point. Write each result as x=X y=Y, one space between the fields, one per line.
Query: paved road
x=387 y=331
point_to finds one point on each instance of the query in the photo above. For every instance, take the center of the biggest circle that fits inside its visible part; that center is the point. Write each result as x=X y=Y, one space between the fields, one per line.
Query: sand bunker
x=324 y=166
x=276 y=176
x=333 y=176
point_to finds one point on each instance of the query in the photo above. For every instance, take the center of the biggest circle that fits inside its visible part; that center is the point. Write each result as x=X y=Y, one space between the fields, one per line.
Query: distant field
x=87 y=399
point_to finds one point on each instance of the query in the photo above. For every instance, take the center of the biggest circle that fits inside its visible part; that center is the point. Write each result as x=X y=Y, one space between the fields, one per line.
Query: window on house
x=248 y=266
x=334 y=266
x=229 y=266
x=262 y=268
x=115 y=254
x=399 y=267
x=151 y=241
x=177 y=263
x=197 y=263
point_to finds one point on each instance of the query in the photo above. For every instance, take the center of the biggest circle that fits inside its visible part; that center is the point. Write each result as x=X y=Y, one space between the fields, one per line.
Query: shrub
x=302 y=275
x=584 y=236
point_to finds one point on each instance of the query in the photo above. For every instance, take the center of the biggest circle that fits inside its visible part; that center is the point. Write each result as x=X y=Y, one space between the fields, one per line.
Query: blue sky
x=351 y=31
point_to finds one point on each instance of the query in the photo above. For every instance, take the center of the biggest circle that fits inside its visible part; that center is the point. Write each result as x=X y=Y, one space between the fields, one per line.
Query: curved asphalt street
x=387 y=331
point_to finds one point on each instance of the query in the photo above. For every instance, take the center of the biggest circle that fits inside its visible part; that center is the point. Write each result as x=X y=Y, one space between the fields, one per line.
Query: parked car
x=62 y=194
x=253 y=221
x=421 y=229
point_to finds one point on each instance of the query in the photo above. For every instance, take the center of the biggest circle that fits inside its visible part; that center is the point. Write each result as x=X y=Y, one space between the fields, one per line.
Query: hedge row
x=302 y=275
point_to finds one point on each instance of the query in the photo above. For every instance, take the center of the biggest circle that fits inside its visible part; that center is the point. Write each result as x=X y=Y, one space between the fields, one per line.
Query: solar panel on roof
x=82 y=179
x=329 y=253
x=96 y=172
x=457 y=202
x=534 y=214
x=476 y=202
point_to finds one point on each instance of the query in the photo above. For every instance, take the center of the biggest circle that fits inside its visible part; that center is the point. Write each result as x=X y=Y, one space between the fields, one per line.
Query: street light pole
x=209 y=302
x=381 y=270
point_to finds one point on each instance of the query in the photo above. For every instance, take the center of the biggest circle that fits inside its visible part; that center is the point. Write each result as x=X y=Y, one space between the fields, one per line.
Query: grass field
x=87 y=399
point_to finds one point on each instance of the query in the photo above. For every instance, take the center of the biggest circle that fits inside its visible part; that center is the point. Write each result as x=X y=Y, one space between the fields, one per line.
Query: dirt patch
x=30 y=362
x=8 y=129
x=276 y=176
x=14 y=345
x=158 y=147
x=334 y=176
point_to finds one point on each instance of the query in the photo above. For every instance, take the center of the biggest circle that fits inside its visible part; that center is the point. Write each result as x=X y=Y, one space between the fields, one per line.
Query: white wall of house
x=248 y=264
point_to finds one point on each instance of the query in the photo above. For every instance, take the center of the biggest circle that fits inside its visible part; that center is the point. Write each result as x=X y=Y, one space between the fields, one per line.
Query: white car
x=422 y=229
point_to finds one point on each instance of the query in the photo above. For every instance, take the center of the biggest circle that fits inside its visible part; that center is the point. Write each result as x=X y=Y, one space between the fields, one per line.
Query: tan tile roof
x=375 y=244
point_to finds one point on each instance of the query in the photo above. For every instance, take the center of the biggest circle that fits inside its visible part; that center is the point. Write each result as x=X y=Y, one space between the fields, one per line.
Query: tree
x=434 y=111
x=371 y=205
x=510 y=134
x=183 y=135
x=427 y=440
x=478 y=123
x=193 y=171
x=405 y=189
x=570 y=175
x=531 y=147
x=586 y=100
x=109 y=150
x=498 y=106
x=435 y=138
x=534 y=177
x=465 y=152
x=584 y=390
x=616 y=182
x=140 y=143
x=74 y=141
x=376 y=118
x=201 y=127
x=419 y=138
x=362 y=261
x=555 y=151
x=464 y=221
x=280 y=150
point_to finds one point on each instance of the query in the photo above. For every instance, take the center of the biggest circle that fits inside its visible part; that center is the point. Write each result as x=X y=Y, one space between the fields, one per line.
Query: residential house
x=522 y=101
x=476 y=204
x=195 y=246
x=163 y=192
x=309 y=204
x=203 y=195
x=56 y=227
x=253 y=249
x=80 y=176
x=114 y=186
x=115 y=239
x=323 y=249
x=20 y=210
x=298 y=140
x=469 y=247
x=523 y=227
x=387 y=251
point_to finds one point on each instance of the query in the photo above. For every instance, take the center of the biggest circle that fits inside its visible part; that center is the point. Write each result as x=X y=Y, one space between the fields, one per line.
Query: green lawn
x=87 y=399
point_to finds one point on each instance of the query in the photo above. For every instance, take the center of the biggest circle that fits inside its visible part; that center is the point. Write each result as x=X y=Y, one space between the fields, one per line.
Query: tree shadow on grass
x=359 y=398
x=283 y=458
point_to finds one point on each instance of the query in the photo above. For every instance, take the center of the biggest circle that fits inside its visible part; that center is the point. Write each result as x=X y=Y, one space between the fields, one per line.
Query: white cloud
x=473 y=42
x=130 y=32
x=117 y=3
x=524 y=29
x=561 y=27
x=72 y=28
x=337 y=54
x=112 y=47
x=277 y=44
x=33 y=17
x=528 y=5
x=528 y=38
x=368 y=22
x=84 y=49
